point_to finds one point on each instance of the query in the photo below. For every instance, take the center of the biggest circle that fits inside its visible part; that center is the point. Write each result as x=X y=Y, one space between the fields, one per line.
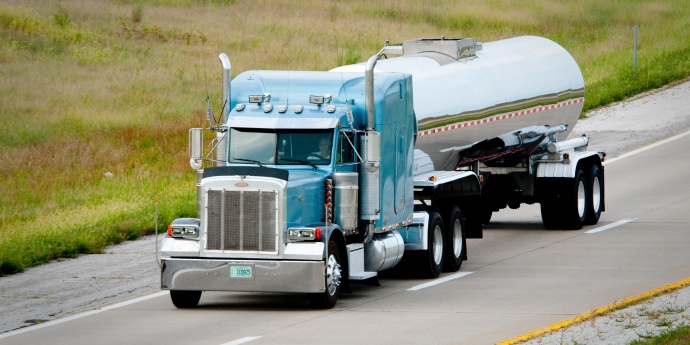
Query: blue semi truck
x=318 y=179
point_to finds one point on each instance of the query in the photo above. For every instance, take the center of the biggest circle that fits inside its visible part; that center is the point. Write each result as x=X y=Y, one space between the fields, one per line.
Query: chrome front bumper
x=267 y=276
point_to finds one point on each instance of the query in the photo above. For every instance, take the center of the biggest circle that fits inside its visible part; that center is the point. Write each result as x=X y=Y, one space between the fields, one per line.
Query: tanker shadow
x=515 y=225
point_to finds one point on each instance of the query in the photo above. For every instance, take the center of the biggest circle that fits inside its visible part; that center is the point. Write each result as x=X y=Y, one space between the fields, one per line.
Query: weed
x=137 y=14
x=663 y=322
x=61 y=18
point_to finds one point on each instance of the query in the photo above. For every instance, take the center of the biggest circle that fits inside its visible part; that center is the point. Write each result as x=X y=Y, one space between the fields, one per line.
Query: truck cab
x=279 y=208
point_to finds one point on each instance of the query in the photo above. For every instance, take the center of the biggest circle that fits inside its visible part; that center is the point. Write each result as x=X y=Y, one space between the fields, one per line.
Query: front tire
x=333 y=279
x=185 y=299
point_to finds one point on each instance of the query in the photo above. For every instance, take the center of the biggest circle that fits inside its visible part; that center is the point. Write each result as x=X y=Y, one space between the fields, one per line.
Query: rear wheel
x=454 y=250
x=432 y=258
x=185 y=299
x=575 y=201
x=551 y=208
x=595 y=189
x=333 y=276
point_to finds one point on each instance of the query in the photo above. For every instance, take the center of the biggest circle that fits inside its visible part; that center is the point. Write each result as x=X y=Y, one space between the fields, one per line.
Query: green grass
x=91 y=87
x=676 y=336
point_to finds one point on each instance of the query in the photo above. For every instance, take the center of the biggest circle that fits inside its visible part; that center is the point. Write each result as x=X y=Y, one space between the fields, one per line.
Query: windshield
x=280 y=147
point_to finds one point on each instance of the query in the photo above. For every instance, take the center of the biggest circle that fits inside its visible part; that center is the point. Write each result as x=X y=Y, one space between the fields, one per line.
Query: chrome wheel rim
x=581 y=199
x=596 y=195
x=457 y=238
x=333 y=275
x=438 y=245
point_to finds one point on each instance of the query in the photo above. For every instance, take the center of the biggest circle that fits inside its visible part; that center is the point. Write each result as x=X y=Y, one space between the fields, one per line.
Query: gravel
x=130 y=270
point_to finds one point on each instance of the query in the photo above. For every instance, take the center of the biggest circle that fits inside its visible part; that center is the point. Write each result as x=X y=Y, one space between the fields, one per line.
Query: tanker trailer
x=320 y=179
x=503 y=110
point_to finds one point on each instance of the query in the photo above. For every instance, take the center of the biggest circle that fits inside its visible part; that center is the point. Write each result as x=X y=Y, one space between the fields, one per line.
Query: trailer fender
x=565 y=169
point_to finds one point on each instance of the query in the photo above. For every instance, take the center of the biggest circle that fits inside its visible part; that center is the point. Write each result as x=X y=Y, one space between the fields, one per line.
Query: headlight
x=304 y=234
x=184 y=228
x=185 y=231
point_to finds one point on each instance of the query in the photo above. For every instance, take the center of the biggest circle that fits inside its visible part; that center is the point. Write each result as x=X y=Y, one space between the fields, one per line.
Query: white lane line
x=648 y=147
x=242 y=341
x=439 y=281
x=79 y=316
x=610 y=226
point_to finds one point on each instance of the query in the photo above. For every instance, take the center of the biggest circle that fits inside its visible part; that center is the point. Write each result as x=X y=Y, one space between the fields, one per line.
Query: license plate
x=241 y=272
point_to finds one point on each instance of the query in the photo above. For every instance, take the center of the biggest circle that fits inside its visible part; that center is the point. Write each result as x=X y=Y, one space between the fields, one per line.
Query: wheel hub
x=333 y=275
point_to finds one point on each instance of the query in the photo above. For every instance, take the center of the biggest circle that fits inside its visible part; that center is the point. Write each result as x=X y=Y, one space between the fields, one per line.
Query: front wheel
x=185 y=299
x=333 y=276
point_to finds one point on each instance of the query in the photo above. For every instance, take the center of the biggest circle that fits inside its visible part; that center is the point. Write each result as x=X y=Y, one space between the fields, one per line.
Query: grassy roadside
x=96 y=88
x=676 y=336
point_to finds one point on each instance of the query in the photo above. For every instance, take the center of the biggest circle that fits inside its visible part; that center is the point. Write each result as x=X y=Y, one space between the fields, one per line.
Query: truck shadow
x=250 y=301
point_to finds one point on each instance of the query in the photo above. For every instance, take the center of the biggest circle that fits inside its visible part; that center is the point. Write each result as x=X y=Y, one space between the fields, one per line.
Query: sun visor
x=282 y=123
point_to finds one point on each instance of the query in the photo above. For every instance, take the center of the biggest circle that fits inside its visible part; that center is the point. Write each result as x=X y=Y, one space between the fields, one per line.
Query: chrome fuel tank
x=485 y=90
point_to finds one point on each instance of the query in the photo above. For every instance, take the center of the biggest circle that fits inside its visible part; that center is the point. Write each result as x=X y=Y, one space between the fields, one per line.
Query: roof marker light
x=239 y=107
x=298 y=109
x=318 y=100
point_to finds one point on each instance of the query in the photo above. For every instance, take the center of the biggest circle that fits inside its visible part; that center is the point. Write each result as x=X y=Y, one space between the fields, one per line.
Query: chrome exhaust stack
x=221 y=148
x=371 y=143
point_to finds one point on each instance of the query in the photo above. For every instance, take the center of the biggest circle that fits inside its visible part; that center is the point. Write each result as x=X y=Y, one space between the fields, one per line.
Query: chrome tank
x=384 y=251
x=498 y=87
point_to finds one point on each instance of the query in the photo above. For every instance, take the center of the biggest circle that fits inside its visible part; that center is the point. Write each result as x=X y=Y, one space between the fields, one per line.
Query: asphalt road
x=518 y=278
x=522 y=277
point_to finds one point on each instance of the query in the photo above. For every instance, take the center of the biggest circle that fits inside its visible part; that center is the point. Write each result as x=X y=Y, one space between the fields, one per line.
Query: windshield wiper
x=249 y=160
x=299 y=161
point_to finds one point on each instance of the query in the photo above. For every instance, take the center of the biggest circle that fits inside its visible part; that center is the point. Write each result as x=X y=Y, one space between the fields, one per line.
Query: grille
x=241 y=221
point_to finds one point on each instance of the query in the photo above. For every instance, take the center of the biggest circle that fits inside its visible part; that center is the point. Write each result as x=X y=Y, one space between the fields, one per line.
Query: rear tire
x=575 y=201
x=333 y=280
x=185 y=299
x=455 y=250
x=595 y=197
x=551 y=209
x=432 y=258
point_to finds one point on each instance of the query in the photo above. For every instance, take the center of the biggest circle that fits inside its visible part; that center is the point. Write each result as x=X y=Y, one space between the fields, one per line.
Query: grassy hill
x=96 y=97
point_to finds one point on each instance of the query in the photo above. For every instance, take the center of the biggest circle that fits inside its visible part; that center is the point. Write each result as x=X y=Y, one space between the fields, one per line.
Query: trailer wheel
x=595 y=190
x=551 y=216
x=432 y=258
x=575 y=201
x=185 y=299
x=333 y=276
x=455 y=250
x=551 y=208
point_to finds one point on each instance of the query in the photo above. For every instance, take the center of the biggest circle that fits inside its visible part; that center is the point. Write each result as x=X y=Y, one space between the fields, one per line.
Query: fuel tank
x=466 y=91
